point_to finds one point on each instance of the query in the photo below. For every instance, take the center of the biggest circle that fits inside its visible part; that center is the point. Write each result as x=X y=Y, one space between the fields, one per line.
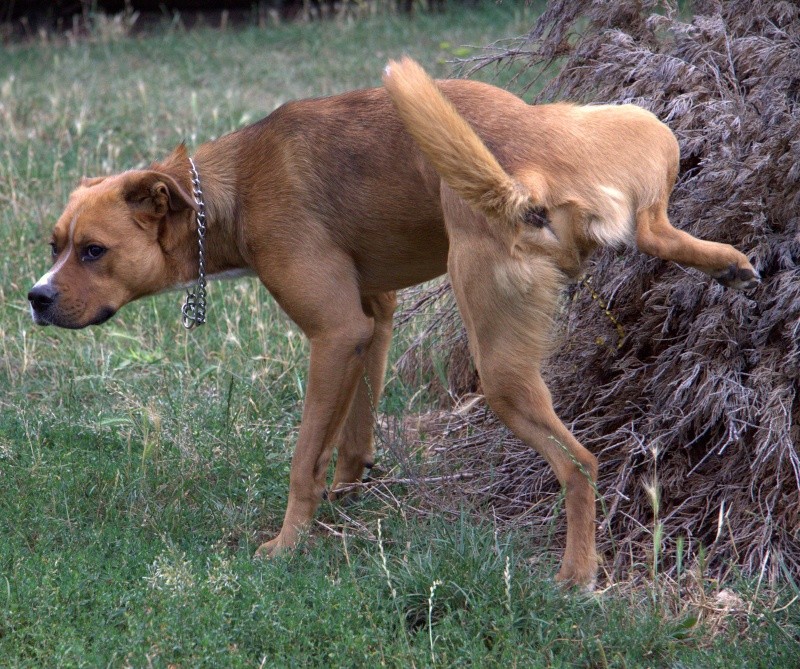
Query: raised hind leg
x=656 y=237
x=355 y=445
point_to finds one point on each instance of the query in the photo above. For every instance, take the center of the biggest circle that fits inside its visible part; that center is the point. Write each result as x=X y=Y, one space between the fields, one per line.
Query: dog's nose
x=42 y=297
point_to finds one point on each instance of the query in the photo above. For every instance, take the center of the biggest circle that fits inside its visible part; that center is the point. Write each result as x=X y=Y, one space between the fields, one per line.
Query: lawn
x=141 y=465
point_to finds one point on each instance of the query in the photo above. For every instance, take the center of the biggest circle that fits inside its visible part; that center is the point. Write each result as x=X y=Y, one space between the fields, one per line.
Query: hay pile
x=665 y=375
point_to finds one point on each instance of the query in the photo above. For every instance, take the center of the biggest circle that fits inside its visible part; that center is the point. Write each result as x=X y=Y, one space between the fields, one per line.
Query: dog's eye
x=53 y=249
x=93 y=252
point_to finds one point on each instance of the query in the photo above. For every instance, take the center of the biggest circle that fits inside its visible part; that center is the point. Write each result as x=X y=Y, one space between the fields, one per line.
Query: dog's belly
x=379 y=278
x=402 y=255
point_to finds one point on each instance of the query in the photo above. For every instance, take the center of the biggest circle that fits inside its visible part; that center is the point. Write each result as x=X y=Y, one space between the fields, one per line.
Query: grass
x=141 y=465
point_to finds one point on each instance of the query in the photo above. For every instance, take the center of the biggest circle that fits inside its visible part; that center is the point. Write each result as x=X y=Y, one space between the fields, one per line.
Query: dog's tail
x=453 y=147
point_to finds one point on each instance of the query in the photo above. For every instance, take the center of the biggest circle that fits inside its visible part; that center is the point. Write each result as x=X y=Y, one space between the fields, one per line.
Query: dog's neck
x=217 y=179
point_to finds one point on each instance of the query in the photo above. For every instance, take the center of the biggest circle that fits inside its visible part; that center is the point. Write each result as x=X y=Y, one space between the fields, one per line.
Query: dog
x=336 y=203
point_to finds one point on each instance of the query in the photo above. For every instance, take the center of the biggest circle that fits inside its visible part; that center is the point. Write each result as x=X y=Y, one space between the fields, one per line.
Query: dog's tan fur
x=334 y=206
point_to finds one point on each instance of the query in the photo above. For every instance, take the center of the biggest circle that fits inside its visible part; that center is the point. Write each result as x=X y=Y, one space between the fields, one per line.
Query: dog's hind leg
x=507 y=301
x=508 y=351
x=516 y=392
x=326 y=304
x=355 y=448
x=656 y=236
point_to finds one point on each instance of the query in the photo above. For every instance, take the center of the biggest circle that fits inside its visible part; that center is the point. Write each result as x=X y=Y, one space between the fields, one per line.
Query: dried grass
x=659 y=369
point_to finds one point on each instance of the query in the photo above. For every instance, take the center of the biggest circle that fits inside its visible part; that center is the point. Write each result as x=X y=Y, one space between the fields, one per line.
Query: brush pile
x=687 y=392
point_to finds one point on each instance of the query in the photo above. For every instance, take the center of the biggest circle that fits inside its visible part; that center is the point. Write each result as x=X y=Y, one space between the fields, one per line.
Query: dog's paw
x=576 y=584
x=348 y=499
x=266 y=550
x=583 y=578
x=368 y=471
x=344 y=494
x=273 y=547
x=346 y=483
x=741 y=278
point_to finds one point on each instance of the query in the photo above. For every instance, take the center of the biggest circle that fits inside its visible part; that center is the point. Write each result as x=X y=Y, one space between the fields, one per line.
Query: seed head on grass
x=222 y=577
x=434 y=585
x=507 y=581
x=171 y=572
x=384 y=562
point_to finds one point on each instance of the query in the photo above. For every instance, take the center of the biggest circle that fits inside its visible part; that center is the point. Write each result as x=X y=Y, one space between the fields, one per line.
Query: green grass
x=141 y=465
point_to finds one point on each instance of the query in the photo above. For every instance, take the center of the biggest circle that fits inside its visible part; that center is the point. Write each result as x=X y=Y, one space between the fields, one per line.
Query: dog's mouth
x=105 y=314
x=39 y=318
x=53 y=317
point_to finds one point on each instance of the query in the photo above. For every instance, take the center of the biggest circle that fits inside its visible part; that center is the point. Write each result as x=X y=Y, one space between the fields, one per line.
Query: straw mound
x=661 y=372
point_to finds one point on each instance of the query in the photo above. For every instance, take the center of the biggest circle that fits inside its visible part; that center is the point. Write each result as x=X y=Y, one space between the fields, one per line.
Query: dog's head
x=109 y=247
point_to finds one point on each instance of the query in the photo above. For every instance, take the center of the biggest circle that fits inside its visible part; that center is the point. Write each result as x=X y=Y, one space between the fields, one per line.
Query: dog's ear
x=88 y=182
x=151 y=195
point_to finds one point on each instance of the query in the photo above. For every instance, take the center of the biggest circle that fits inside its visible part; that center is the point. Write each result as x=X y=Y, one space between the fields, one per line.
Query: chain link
x=194 y=309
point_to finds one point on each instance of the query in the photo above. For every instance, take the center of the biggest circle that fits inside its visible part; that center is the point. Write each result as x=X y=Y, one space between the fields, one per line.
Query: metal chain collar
x=194 y=309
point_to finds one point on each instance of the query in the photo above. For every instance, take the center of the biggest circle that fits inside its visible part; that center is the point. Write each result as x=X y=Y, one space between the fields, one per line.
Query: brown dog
x=334 y=204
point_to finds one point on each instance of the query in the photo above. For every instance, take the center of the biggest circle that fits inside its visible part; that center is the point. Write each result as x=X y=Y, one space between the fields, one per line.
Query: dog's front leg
x=337 y=364
x=355 y=446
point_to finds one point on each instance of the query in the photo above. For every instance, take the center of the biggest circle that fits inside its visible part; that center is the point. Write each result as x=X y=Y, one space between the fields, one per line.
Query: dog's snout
x=41 y=297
